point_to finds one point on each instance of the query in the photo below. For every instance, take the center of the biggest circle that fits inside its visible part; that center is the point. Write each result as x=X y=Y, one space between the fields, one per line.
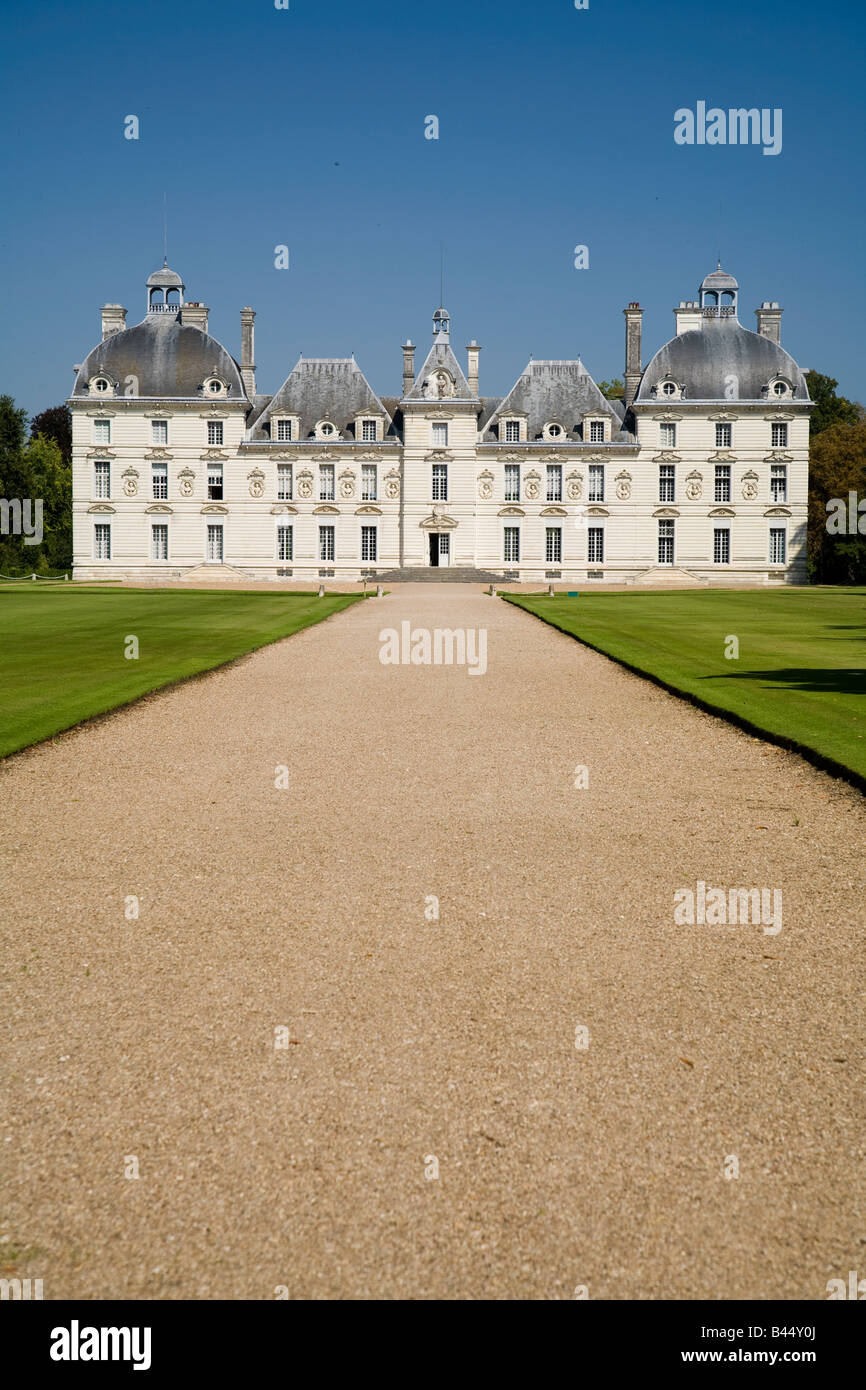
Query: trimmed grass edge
x=748 y=726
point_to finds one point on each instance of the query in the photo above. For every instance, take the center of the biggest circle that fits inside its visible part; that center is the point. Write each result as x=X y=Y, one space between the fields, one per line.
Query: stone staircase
x=660 y=575
x=215 y=572
x=441 y=574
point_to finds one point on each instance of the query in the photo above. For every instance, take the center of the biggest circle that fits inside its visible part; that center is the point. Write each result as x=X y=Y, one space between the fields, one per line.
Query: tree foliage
x=837 y=467
x=37 y=470
x=830 y=409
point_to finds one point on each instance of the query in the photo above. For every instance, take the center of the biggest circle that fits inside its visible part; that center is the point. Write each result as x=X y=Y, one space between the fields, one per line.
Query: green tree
x=612 y=390
x=837 y=466
x=830 y=409
x=49 y=477
x=55 y=423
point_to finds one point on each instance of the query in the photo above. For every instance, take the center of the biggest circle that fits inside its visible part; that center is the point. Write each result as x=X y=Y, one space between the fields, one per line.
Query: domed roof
x=719 y=279
x=166 y=357
x=165 y=279
x=706 y=361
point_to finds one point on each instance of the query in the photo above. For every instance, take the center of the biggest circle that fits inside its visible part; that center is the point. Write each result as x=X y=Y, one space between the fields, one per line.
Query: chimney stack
x=472 y=351
x=408 y=366
x=633 y=317
x=769 y=318
x=194 y=315
x=113 y=320
x=689 y=316
x=248 y=356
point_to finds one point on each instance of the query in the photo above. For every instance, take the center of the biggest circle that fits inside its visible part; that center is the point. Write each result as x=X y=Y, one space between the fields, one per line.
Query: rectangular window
x=159 y=541
x=369 y=482
x=102 y=541
x=284 y=482
x=326 y=543
x=102 y=431
x=326 y=482
x=284 y=431
x=596 y=482
x=595 y=545
x=159 y=432
x=440 y=434
x=369 y=544
x=440 y=482
x=215 y=543
x=369 y=430
x=596 y=431
x=285 y=547
x=512 y=431
x=721 y=545
x=512 y=482
x=778 y=482
x=724 y=436
x=215 y=482
x=723 y=482
x=159 y=480
x=777 y=545
x=553 y=545
x=554 y=482
x=668 y=436
x=666 y=542
x=102 y=478
x=667 y=482
x=215 y=432
x=511 y=545
x=780 y=436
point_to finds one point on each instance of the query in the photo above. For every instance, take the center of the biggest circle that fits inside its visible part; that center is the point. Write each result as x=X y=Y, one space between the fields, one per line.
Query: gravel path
x=412 y=1040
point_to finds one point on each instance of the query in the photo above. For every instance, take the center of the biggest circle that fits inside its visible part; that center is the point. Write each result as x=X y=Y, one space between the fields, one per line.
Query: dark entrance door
x=434 y=548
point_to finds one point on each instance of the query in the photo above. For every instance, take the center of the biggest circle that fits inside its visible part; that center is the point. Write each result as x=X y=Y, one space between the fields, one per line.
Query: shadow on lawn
x=840 y=680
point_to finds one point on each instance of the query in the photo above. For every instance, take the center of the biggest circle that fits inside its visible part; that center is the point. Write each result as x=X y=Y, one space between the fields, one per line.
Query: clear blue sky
x=306 y=127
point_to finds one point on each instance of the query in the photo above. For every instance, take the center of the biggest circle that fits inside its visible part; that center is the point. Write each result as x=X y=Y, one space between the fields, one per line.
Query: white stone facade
x=179 y=464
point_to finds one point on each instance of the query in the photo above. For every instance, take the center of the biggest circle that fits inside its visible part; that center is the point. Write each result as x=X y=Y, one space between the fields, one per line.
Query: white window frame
x=101 y=539
x=369 y=431
x=722 y=483
x=553 y=540
x=553 y=482
x=778 y=435
x=102 y=479
x=285 y=482
x=669 y=533
x=511 y=540
x=212 y=470
x=597 y=431
x=595 y=538
x=282 y=528
x=667 y=435
x=667 y=482
x=162 y=527
x=327 y=541
x=159 y=473
x=285 y=431
x=327 y=482
x=159 y=433
x=439 y=434
x=215 y=434
x=724 y=435
x=369 y=471
x=719 y=531
x=102 y=431
x=212 y=527
x=512 y=432
x=368 y=531
x=595 y=471
x=439 y=482
x=778 y=474
x=511 y=492
x=778 y=531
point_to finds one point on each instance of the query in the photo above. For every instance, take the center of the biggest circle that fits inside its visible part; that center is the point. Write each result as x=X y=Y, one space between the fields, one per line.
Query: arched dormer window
x=214 y=386
x=101 y=385
x=553 y=430
x=669 y=390
x=326 y=429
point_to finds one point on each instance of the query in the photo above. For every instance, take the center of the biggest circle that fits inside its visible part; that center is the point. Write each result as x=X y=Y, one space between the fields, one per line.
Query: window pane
x=554 y=482
x=284 y=543
x=512 y=482
x=159 y=546
x=369 y=485
x=511 y=544
x=440 y=482
x=723 y=482
x=369 y=548
x=159 y=479
x=723 y=436
x=721 y=545
x=596 y=431
x=284 y=482
x=102 y=478
x=596 y=482
x=595 y=545
x=326 y=482
x=553 y=545
x=440 y=434
x=667 y=482
x=668 y=436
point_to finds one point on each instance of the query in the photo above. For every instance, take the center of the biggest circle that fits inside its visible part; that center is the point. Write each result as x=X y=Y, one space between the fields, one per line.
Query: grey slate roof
x=554 y=392
x=441 y=357
x=322 y=388
x=168 y=358
x=704 y=361
x=719 y=279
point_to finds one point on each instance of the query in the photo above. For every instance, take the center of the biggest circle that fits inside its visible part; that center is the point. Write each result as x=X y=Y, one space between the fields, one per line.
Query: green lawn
x=62 y=648
x=800 y=672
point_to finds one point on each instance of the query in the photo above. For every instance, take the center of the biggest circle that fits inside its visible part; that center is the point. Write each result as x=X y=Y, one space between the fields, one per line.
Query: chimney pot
x=113 y=319
x=633 y=317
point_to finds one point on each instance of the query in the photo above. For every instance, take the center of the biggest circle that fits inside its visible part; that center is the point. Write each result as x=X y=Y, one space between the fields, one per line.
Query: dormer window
x=369 y=430
x=512 y=432
x=780 y=388
x=214 y=386
x=669 y=388
x=325 y=430
x=101 y=384
x=553 y=431
x=596 y=431
x=284 y=431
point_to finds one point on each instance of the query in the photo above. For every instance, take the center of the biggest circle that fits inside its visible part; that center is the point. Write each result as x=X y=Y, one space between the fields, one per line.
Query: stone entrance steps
x=441 y=574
